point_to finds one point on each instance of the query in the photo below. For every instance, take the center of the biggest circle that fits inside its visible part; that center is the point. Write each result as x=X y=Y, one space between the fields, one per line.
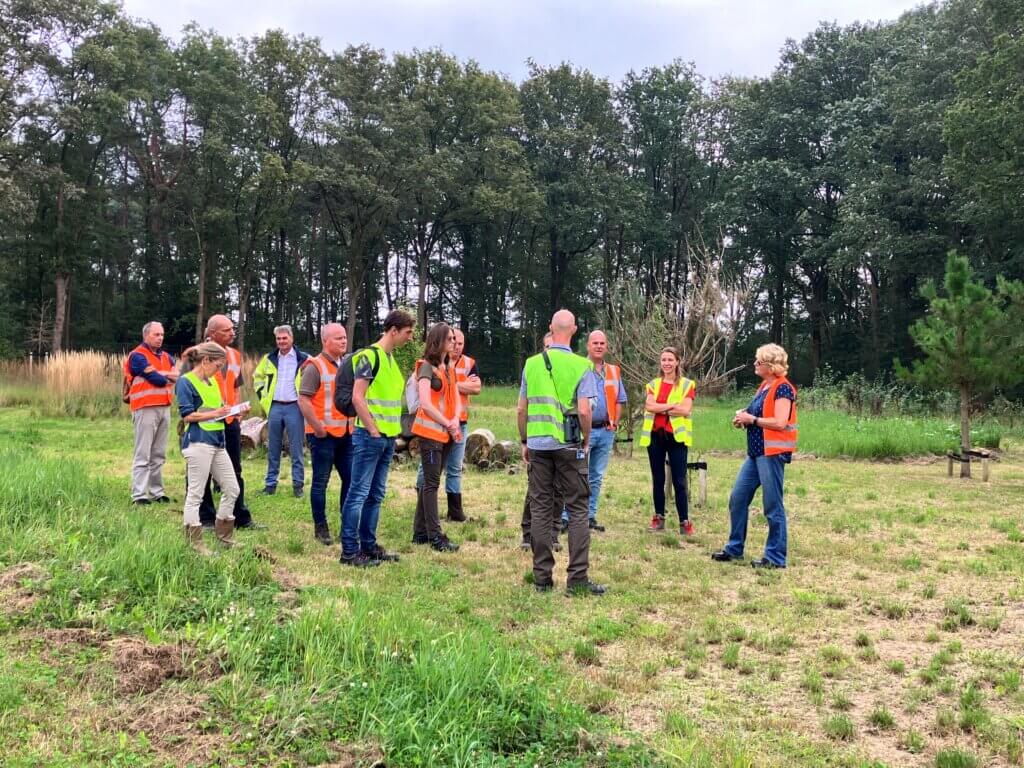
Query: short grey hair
x=149 y=326
x=284 y=329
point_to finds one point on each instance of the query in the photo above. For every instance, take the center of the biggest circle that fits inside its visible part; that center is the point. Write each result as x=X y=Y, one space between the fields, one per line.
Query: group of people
x=568 y=414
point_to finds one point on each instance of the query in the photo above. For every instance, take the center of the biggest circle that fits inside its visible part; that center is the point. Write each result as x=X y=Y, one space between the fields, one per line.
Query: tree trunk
x=423 y=273
x=875 y=340
x=243 y=309
x=201 y=302
x=965 y=430
x=61 y=282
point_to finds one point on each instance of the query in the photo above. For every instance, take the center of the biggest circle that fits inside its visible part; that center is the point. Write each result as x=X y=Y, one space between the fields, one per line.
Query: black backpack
x=346 y=379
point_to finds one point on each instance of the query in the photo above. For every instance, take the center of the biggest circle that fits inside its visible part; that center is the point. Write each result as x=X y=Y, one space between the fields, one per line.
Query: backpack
x=412 y=389
x=346 y=379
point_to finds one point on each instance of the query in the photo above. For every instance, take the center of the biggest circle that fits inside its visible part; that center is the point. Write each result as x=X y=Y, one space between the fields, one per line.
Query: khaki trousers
x=202 y=462
x=561 y=475
x=152 y=426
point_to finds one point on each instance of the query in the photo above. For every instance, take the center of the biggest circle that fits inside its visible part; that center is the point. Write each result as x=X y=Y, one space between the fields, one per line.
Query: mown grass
x=685 y=662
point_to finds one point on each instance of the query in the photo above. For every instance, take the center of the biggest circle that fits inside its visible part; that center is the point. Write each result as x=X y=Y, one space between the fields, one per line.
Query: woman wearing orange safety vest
x=770 y=421
x=437 y=425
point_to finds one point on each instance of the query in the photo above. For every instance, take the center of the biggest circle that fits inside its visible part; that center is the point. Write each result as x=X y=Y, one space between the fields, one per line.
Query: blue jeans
x=452 y=468
x=371 y=459
x=601 y=443
x=285 y=416
x=765 y=472
x=329 y=453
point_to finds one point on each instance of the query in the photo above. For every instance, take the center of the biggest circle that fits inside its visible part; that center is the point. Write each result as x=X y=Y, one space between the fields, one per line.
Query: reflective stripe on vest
x=544 y=406
x=444 y=400
x=612 y=377
x=335 y=422
x=209 y=393
x=783 y=440
x=462 y=369
x=384 y=393
x=682 y=427
x=142 y=394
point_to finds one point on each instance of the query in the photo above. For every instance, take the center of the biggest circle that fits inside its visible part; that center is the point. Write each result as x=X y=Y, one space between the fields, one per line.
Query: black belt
x=599 y=425
x=285 y=402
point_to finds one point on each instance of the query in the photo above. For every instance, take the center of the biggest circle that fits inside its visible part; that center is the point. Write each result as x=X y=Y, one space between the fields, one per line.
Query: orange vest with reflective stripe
x=445 y=400
x=612 y=377
x=227 y=379
x=142 y=394
x=335 y=422
x=778 y=441
x=462 y=369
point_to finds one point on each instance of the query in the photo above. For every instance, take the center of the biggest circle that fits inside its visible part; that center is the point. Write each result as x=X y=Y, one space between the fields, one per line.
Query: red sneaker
x=686 y=528
x=657 y=524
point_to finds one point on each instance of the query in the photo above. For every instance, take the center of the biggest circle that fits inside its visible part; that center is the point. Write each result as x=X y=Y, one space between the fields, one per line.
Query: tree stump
x=501 y=454
x=478 y=445
x=254 y=433
x=413 y=447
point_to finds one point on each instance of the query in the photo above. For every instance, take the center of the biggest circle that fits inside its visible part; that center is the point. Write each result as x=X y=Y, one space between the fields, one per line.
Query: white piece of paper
x=235 y=410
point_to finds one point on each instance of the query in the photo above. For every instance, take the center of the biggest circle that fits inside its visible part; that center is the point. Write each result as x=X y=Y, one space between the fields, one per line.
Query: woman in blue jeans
x=770 y=421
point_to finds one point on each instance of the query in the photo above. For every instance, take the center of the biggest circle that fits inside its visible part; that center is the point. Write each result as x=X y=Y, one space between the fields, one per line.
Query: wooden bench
x=977 y=453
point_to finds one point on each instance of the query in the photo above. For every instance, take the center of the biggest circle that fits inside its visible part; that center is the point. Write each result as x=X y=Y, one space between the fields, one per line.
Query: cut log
x=478 y=445
x=254 y=433
x=407 y=420
x=501 y=453
x=401 y=444
x=413 y=447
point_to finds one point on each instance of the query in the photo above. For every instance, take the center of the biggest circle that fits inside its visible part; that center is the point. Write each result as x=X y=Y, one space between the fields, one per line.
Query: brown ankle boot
x=225 y=530
x=194 y=536
x=455 y=513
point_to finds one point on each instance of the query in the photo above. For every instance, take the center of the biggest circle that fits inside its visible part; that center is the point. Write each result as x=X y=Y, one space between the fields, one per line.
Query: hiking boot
x=269 y=490
x=657 y=524
x=194 y=536
x=297 y=492
x=225 y=532
x=721 y=556
x=141 y=502
x=455 y=513
x=162 y=500
x=595 y=527
x=359 y=560
x=686 y=528
x=322 y=533
x=420 y=538
x=543 y=587
x=585 y=588
x=444 y=544
x=764 y=562
x=379 y=553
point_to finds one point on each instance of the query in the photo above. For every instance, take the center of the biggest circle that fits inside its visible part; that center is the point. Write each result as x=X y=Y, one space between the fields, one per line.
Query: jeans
x=662 y=445
x=766 y=472
x=452 y=466
x=285 y=416
x=233 y=445
x=601 y=443
x=329 y=453
x=371 y=458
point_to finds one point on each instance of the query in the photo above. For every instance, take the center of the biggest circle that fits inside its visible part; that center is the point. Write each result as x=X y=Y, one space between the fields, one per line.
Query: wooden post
x=702 y=486
x=949 y=469
x=984 y=469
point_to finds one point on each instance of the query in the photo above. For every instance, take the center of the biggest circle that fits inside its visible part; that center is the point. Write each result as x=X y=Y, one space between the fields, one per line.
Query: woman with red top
x=668 y=433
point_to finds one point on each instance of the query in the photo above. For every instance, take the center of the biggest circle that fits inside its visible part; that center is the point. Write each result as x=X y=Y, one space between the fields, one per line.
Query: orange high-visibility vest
x=612 y=377
x=142 y=394
x=445 y=400
x=462 y=368
x=227 y=378
x=335 y=422
x=783 y=440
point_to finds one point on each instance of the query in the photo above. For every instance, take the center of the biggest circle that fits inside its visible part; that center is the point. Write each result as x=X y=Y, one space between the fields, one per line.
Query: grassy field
x=894 y=638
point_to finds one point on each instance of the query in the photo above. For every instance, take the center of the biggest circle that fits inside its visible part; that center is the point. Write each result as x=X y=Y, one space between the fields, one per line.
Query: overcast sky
x=608 y=37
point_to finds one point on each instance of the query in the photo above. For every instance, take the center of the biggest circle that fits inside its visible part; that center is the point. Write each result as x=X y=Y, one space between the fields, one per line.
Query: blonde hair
x=208 y=350
x=774 y=357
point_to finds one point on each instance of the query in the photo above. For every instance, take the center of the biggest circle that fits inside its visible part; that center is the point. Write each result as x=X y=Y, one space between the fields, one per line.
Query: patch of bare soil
x=358 y=755
x=172 y=724
x=142 y=667
x=14 y=597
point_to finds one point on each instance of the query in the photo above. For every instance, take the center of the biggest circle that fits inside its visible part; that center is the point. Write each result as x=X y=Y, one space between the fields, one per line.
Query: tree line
x=143 y=177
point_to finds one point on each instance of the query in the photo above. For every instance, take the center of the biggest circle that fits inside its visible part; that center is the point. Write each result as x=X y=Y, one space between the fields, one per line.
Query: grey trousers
x=553 y=475
x=202 y=462
x=152 y=426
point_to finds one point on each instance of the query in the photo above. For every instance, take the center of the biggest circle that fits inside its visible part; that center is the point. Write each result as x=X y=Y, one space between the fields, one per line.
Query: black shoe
x=322 y=533
x=721 y=556
x=297 y=491
x=141 y=502
x=359 y=560
x=525 y=544
x=269 y=490
x=595 y=527
x=585 y=588
x=420 y=538
x=764 y=562
x=381 y=554
x=207 y=525
x=564 y=528
x=252 y=525
x=162 y=500
x=543 y=587
x=444 y=544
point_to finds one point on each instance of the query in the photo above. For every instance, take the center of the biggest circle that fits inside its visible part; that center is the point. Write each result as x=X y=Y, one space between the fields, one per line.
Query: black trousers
x=664 y=445
x=233 y=444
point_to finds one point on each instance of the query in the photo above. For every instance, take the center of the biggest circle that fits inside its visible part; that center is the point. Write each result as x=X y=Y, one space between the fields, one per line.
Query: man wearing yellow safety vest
x=377 y=398
x=328 y=430
x=150 y=375
x=611 y=397
x=276 y=380
x=554 y=418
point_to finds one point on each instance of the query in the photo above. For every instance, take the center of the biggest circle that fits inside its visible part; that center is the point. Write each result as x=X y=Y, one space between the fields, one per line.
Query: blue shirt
x=600 y=405
x=137 y=363
x=584 y=389
x=189 y=401
x=755 y=435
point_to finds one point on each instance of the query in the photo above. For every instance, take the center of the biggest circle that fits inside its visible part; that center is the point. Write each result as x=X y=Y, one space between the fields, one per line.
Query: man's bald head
x=597 y=346
x=563 y=326
x=460 y=344
x=220 y=329
x=335 y=340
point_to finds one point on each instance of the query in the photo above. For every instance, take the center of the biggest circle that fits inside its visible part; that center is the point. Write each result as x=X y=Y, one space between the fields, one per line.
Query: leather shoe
x=420 y=538
x=764 y=562
x=721 y=556
x=297 y=491
x=141 y=502
x=585 y=588
x=379 y=553
x=595 y=527
x=162 y=500
x=269 y=490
